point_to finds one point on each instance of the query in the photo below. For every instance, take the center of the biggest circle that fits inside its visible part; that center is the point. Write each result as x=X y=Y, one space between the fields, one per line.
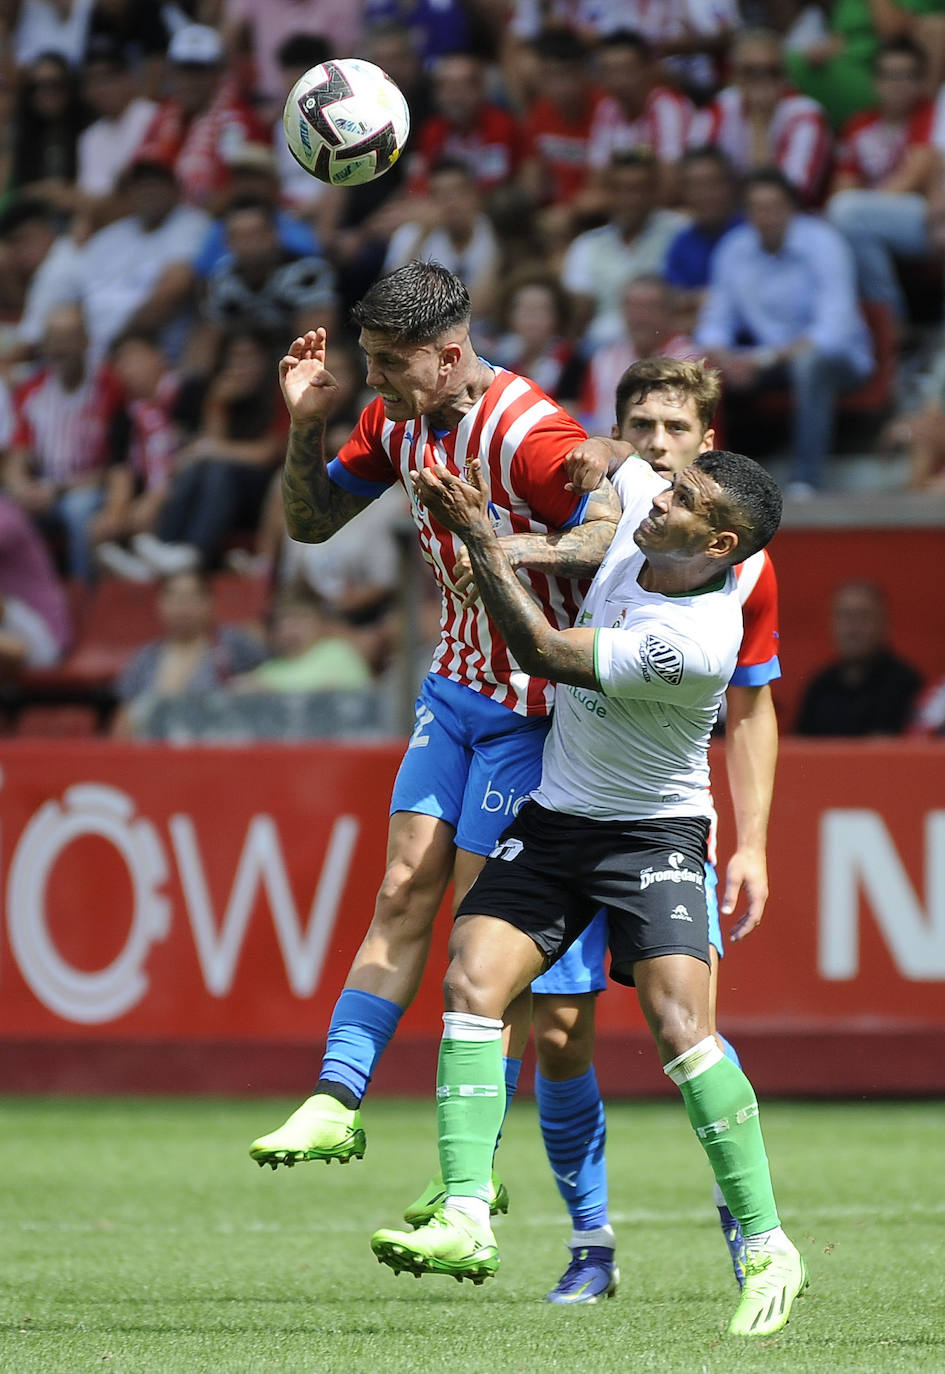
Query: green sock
x=470 y=1102
x=723 y=1112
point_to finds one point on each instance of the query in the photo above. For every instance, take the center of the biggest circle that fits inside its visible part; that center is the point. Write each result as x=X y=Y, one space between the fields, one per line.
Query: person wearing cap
x=108 y=145
x=203 y=120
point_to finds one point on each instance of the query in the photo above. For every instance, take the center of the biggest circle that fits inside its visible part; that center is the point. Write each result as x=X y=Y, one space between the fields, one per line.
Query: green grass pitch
x=138 y=1236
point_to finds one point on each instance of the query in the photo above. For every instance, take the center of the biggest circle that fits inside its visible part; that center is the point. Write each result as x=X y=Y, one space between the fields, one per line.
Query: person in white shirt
x=107 y=147
x=620 y=819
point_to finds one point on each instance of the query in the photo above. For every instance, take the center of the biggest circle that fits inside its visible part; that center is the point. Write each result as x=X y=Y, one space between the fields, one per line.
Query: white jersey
x=637 y=750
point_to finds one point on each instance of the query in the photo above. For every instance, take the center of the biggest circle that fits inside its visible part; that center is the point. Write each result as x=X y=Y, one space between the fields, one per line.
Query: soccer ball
x=346 y=121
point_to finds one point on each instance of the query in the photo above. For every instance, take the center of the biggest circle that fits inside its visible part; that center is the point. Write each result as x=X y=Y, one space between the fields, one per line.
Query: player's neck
x=472 y=388
x=675 y=579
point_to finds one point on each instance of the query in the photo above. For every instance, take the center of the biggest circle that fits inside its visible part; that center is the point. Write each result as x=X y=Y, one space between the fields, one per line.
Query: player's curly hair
x=670 y=374
x=752 y=506
x=414 y=304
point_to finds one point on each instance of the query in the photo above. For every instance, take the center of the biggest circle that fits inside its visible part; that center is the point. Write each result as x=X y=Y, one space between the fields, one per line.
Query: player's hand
x=310 y=391
x=464 y=582
x=747 y=873
x=461 y=506
x=587 y=465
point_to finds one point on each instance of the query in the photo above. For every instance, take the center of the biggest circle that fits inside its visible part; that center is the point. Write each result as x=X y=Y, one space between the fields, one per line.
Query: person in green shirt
x=310 y=654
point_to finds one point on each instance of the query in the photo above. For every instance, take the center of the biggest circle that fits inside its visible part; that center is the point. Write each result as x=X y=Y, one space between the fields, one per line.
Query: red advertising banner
x=177 y=918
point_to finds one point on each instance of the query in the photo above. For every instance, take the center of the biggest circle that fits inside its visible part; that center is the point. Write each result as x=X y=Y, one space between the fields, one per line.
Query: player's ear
x=450 y=355
x=708 y=441
x=723 y=545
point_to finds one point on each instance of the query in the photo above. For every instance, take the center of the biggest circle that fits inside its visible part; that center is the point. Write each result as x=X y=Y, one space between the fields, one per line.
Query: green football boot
x=320 y=1129
x=773 y=1279
x=434 y=1195
x=450 y=1243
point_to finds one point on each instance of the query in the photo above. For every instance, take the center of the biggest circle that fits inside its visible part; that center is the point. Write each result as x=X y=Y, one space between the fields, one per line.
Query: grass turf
x=138 y=1236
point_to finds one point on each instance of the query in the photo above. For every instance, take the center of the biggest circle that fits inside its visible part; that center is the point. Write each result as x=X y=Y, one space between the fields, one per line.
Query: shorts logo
x=495 y=801
x=676 y=873
x=507 y=850
x=680 y=913
x=665 y=660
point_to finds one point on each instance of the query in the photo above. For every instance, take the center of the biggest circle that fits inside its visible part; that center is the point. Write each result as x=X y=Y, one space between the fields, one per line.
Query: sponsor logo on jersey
x=665 y=660
x=591 y=701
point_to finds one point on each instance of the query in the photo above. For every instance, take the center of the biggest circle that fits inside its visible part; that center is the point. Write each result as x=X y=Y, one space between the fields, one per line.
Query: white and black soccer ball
x=346 y=121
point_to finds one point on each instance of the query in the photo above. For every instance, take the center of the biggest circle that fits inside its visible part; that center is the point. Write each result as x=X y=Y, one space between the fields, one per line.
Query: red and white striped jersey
x=521 y=438
x=871 y=148
x=662 y=127
x=799 y=140
x=65 y=432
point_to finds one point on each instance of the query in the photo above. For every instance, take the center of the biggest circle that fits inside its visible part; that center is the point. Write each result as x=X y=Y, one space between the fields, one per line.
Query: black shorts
x=551 y=872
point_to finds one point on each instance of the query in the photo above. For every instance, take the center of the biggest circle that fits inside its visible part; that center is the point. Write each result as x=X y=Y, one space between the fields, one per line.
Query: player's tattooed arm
x=539 y=649
x=577 y=552
x=315 y=506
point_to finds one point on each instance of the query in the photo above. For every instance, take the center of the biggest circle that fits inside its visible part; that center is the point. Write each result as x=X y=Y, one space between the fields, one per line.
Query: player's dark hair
x=772 y=176
x=752 y=504
x=902 y=46
x=414 y=304
x=686 y=379
x=625 y=38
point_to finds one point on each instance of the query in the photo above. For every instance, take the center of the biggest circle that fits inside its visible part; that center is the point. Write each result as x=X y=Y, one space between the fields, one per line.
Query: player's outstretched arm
x=560 y=655
x=315 y=507
x=751 y=752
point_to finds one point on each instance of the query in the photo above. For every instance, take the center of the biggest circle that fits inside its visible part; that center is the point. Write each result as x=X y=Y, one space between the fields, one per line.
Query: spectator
x=56 y=463
x=310 y=653
x=928 y=717
x=534 y=321
x=467 y=126
x=223 y=471
x=107 y=146
x=37 y=269
x=430 y=27
x=58 y=27
x=260 y=285
x=920 y=432
x=760 y=122
x=637 y=111
x=138 y=31
x=649 y=331
x=137 y=273
x=34 y=617
x=710 y=195
x=600 y=262
x=557 y=129
x=145 y=437
x=203 y=120
x=299 y=190
x=192 y=656
x=868 y=690
x=47 y=124
x=781 y=309
x=262 y=26
x=457 y=234
x=888 y=174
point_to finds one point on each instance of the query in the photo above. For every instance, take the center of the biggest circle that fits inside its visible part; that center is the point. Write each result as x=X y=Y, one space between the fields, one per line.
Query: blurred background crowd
x=758 y=184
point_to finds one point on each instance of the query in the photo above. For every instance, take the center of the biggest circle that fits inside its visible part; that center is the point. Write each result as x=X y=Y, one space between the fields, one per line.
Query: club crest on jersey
x=665 y=660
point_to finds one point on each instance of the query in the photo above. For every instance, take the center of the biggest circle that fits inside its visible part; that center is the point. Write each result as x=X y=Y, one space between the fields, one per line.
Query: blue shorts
x=581 y=968
x=470 y=762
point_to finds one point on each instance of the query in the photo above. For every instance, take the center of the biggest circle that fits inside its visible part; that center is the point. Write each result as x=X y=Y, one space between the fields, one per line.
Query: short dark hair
x=452 y=164
x=559 y=45
x=902 y=46
x=414 y=304
x=752 y=498
x=708 y=152
x=689 y=379
x=26 y=211
x=303 y=50
x=772 y=176
x=258 y=204
x=626 y=38
x=640 y=158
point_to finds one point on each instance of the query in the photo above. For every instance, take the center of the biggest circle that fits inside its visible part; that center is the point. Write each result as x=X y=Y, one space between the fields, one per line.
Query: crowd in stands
x=758 y=184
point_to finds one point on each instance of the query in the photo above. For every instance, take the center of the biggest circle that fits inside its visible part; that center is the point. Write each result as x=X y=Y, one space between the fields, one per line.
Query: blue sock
x=571 y=1116
x=729 y=1051
x=361 y=1026
x=511 y=1068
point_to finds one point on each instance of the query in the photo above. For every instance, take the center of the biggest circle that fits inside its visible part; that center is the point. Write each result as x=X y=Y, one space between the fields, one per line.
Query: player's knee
x=463 y=992
x=407 y=899
x=678 y=1028
x=564 y=1044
